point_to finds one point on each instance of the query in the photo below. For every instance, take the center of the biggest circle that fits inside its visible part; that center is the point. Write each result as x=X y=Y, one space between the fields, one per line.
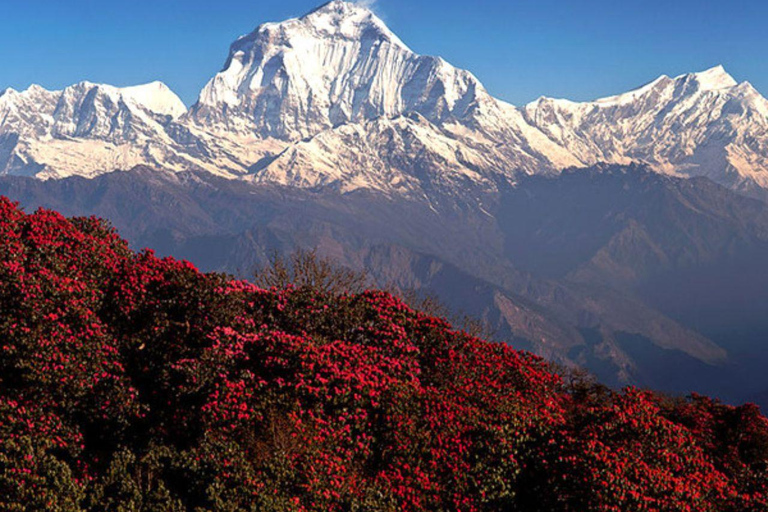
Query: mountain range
x=627 y=234
x=335 y=99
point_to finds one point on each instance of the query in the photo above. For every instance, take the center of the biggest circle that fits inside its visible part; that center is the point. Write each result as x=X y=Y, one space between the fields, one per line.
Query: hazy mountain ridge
x=566 y=266
x=134 y=382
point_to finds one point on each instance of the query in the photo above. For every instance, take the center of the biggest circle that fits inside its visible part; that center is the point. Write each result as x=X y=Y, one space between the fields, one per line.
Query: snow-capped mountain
x=86 y=129
x=335 y=99
x=336 y=65
x=361 y=110
x=699 y=124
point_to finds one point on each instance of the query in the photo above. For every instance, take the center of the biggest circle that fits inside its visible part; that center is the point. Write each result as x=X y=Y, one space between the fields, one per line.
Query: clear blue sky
x=520 y=49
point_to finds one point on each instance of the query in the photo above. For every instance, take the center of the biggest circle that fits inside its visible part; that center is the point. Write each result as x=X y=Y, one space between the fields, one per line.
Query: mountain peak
x=339 y=7
x=713 y=79
x=633 y=95
x=32 y=89
x=35 y=88
x=335 y=65
x=339 y=18
x=32 y=94
x=156 y=97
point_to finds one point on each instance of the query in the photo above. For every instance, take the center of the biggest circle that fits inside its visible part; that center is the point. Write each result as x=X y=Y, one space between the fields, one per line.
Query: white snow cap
x=336 y=64
x=332 y=25
x=334 y=98
x=713 y=79
x=347 y=19
x=156 y=97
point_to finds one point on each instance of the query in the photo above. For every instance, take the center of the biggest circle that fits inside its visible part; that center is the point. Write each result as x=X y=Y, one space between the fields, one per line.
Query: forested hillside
x=129 y=382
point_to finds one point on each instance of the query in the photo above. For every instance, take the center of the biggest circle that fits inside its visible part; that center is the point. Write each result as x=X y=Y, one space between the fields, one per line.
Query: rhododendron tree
x=130 y=382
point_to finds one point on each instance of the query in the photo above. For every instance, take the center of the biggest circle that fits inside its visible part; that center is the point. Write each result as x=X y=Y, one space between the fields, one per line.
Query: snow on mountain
x=336 y=65
x=381 y=154
x=338 y=71
x=340 y=65
x=88 y=129
x=156 y=97
x=97 y=111
x=698 y=124
x=334 y=99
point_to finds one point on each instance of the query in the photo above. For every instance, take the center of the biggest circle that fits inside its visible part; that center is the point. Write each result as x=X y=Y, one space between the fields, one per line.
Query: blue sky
x=520 y=49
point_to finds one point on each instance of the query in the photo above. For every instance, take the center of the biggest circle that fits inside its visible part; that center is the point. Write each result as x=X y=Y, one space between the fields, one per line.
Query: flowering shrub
x=131 y=382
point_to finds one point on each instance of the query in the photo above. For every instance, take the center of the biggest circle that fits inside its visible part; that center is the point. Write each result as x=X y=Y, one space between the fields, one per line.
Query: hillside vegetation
x=129 y=382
